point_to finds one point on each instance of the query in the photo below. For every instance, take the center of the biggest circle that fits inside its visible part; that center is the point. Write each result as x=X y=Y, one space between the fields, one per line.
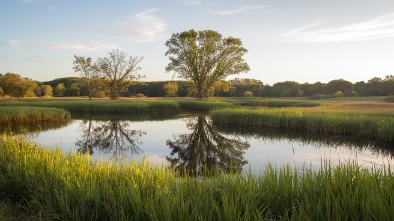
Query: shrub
x=248 y=94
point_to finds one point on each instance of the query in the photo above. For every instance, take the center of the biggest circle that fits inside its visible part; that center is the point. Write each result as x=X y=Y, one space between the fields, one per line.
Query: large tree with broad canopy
x=205 y=57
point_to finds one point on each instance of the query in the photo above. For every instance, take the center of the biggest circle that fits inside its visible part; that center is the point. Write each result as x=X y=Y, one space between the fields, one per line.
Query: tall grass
x=73 y=187
x=23 y=115
x=102 y=106
x=204 y=105
x=378 y=126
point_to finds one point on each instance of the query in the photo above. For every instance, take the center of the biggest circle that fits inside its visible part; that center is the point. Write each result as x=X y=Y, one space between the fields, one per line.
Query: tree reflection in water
x=205 y=150
x=108 y=137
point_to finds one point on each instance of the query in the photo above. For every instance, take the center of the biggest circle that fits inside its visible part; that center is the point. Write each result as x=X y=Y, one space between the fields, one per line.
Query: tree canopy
x=205 y=57
x=117 y=68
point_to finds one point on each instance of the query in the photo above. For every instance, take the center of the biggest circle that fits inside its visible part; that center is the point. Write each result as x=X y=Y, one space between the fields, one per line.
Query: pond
x=192 y=144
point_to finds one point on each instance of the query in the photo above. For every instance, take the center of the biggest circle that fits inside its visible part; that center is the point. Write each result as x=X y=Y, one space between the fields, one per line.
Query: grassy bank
x=377 y=125
x=101 y=106
x=72 y=187
x=204 y=105
x=11 y=115
x=121 y=106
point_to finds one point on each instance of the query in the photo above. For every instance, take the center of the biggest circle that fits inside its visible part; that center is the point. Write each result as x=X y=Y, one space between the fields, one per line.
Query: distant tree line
x=14 y=85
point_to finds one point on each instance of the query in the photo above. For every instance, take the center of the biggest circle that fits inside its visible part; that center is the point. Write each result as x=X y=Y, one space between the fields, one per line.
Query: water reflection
x=31 y=129
x=205 y=150
x=112 y=136
x=317 y=141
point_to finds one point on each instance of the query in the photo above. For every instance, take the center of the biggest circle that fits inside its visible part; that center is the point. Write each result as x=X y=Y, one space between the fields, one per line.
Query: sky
x=287 y=40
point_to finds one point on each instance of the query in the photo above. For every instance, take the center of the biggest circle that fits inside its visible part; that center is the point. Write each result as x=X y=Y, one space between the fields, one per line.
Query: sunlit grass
x=377 y=125
x=73 y=187
x=10 y=115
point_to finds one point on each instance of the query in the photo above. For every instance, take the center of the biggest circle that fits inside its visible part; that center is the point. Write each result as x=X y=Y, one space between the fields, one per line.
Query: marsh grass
x=205 y=105
x=11 y=115
x=101 y=106
x=377 y=125
x=73 y=187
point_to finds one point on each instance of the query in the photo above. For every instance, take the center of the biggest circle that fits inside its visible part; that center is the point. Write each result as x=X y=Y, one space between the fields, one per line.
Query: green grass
x=377 y=125
x=101 y=106
x=123 y=106
x=271 y=102
x=204 y=105
x=11 y=115
x=73 y=187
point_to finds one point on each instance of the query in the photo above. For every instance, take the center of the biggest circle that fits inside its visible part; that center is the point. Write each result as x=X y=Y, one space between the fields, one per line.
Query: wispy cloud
x=144 y=26
x=376 y=28
x=238 y=10
x=87 y=46
x=14 y=43
x=191 y=2
x=44 y=60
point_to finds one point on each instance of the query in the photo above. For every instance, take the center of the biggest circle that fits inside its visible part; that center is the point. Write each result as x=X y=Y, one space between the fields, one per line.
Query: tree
x=13 y=85
x=30 y=87
x=286 y=89
x=60 y=90
x=171 y=89
x=47 y=91
x=116 y=68
x=205 y=57
x=339 y=85
x=87 y=71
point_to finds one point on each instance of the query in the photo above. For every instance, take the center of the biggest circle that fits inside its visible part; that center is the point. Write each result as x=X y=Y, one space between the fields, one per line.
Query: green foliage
x=205 y=57
x=116 y=69
x=73 y=187
x=171 y=89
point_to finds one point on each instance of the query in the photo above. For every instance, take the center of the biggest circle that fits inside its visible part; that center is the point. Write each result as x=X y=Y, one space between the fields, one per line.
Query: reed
x=11 y=115
x=378 y=126
x=73 y=187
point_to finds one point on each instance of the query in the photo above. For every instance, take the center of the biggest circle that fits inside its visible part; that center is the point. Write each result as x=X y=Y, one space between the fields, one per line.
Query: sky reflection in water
x=154 y=141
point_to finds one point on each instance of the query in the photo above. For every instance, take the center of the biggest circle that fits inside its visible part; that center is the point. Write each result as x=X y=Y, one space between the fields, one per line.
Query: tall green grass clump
x=280 y=103
x=103 y=106
x=73 y=187
x=10 y=115
x=377 y=126
x=203 y=105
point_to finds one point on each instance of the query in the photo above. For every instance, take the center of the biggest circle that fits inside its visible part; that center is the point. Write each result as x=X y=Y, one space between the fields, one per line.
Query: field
x=39 y=183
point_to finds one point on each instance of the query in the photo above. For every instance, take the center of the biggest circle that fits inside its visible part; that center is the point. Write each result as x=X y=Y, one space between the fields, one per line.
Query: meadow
x=48 y=184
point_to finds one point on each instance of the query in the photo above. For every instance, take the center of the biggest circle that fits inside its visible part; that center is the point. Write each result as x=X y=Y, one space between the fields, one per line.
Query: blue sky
x=298 y=40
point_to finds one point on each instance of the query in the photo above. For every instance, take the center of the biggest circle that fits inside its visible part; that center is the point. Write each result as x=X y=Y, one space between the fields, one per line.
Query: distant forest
x=14 y=85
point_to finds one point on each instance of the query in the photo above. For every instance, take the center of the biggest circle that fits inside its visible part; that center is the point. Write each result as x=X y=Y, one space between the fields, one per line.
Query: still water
x=191 y=143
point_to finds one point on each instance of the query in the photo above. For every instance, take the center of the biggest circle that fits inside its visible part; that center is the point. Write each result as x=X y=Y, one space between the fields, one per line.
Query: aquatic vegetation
x=102 y=106
x=73 y=187
x=373 y=125
x=205 y=105
x=10 y=115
